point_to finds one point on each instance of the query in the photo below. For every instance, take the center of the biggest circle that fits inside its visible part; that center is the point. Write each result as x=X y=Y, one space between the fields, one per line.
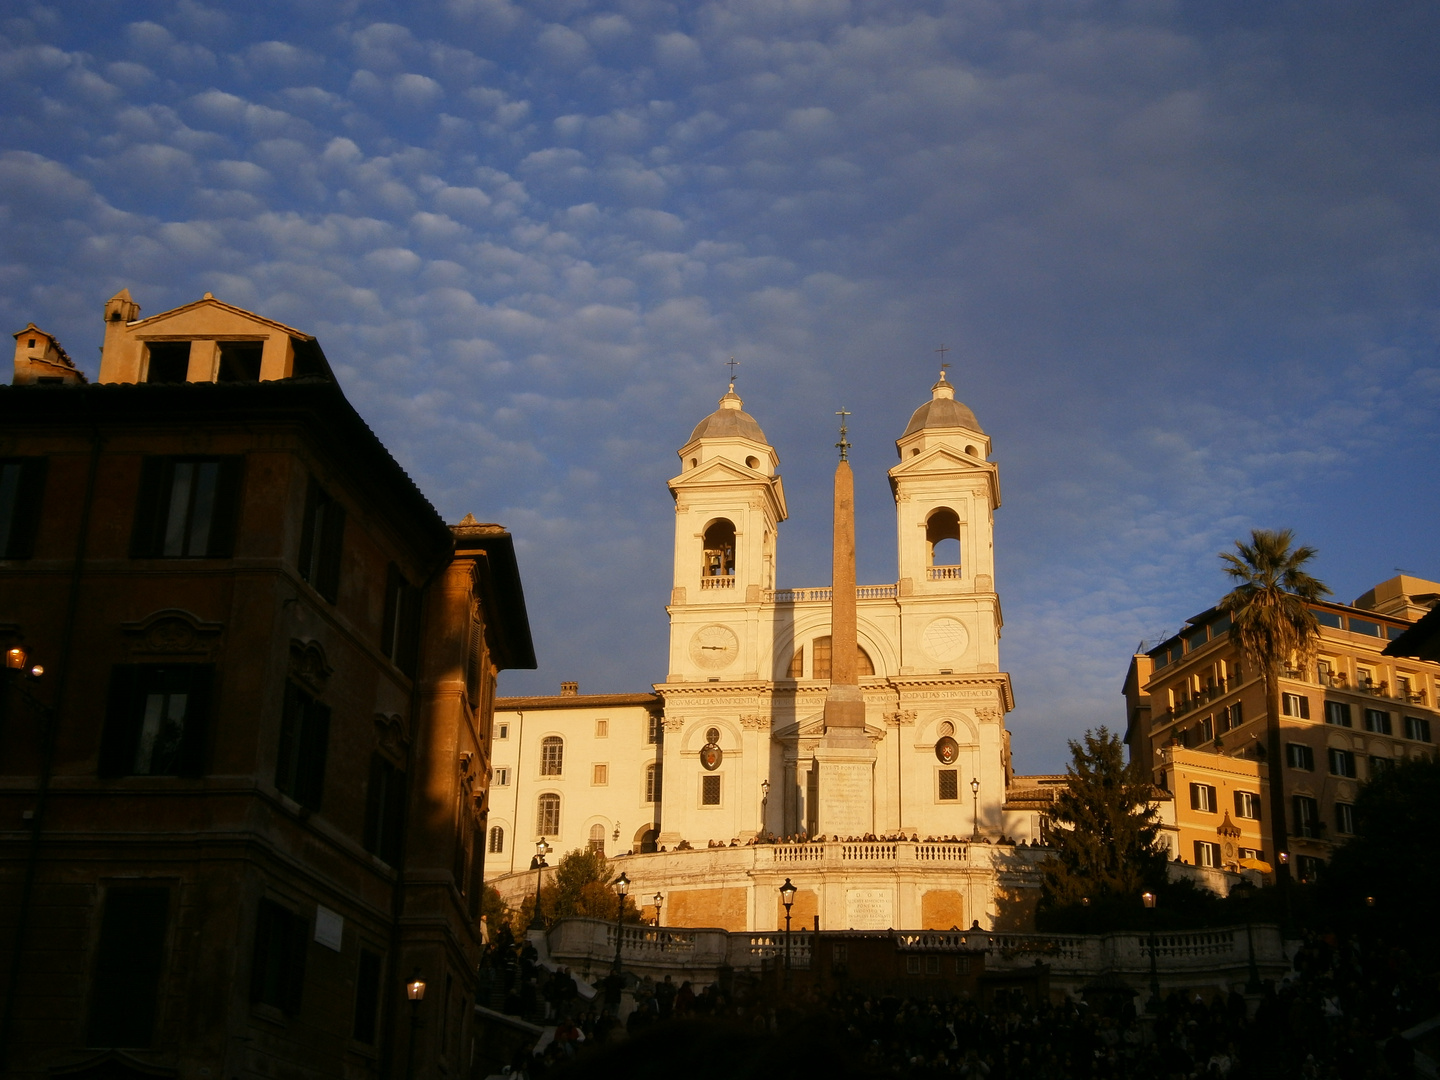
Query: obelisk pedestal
x=845 y=758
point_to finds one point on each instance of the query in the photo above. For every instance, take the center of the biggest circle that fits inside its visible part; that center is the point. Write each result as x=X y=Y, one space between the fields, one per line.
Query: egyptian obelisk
x=845 y=758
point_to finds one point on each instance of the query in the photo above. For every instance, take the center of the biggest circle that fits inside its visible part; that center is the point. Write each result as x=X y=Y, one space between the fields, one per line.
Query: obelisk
x=845 y=757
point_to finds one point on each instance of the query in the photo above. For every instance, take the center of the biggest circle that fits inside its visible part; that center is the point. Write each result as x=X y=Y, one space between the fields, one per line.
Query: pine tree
x=1104 y=831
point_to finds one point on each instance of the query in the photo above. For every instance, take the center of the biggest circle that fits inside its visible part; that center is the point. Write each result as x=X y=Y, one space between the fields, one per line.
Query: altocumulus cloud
x=1184 y=257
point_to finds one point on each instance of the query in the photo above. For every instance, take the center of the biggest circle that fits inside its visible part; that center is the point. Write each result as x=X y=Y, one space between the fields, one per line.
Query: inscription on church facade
x=869 y=909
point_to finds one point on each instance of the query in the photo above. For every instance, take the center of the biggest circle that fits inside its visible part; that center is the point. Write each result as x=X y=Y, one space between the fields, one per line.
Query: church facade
x=745 y=738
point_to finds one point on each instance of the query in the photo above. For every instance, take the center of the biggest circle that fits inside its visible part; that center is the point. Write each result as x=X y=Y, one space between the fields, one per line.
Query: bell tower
x=729 y=502
x=946 y=493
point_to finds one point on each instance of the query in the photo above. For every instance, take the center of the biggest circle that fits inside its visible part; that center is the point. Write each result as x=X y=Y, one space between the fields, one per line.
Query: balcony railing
x=943 y=573
x=717 y=582
x=801 y=596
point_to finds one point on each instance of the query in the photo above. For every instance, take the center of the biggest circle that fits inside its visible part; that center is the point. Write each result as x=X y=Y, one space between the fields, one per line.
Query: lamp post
x=622 y=886
x=1245 y=892
x=764 y=802
x=787 y=897
x=615 y=838
x=975 y=808
x=415 y=991
x=1154 y=1007
x=659 y=899
x=538 y=864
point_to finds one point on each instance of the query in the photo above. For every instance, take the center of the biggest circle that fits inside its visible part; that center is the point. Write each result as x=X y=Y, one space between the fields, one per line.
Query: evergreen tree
x=1104 y=829
x=581 y=888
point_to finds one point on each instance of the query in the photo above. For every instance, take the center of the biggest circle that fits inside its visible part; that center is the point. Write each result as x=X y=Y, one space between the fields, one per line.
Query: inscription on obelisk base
x=846 y=788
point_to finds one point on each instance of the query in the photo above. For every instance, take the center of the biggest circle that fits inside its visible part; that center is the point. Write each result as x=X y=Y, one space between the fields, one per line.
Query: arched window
x=597 y=839
x=652 y=782
x=797 y=664
x=497 y=840
x=942 y=536
x=649 y=841
x=547 y=815
x=821 y=664
x=719 y=557
x=552 y=756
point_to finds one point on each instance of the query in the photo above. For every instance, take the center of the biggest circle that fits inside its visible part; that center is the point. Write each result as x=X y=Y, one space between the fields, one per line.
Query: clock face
x=714 y=647
x=945 y=638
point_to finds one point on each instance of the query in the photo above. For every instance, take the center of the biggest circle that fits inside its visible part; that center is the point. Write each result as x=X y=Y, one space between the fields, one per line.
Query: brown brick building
x=245 y=801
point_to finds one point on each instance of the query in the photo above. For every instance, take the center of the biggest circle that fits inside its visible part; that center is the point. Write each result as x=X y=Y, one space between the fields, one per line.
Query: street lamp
x=615 y=838
x=622 y=886
x=787 y=897
x=1149 y=900
x=415 y=991
x=975 y=808
x=659 y=899
x=538 y=864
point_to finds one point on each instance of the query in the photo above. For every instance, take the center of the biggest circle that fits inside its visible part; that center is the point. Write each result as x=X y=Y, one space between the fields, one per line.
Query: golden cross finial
x=732 y=364
x=843 y=444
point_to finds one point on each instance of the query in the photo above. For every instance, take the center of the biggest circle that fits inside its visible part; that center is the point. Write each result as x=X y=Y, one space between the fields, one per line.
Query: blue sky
x=1185 y=257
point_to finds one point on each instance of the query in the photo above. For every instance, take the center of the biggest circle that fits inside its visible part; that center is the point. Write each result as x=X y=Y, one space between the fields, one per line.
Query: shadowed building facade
x=246 y=800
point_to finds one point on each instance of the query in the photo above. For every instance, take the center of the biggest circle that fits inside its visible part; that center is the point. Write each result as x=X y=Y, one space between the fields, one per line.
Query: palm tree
x=1271 y=624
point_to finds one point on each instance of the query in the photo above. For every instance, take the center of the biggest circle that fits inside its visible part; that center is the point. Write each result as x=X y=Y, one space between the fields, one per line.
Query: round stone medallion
x=945 y=638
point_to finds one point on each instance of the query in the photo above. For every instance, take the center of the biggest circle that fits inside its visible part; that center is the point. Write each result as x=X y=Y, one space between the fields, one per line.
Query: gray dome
x=943 y=411
x=729 y=422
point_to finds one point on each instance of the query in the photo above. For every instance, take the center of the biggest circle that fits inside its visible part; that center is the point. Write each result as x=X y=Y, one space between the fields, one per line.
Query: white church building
x=719 y=782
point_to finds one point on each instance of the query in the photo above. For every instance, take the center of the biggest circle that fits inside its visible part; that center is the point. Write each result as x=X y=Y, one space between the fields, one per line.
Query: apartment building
x=1351 y=713
x=245 y=720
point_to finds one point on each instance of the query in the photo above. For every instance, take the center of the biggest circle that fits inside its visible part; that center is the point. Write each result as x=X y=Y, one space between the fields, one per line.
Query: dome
x=729 y=421
x=943 y=411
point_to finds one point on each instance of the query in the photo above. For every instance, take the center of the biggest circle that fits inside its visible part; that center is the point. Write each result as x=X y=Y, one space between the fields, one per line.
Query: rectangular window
x=932 y=965
x=652 y=729
x=1417 y=728
x=501 y=778
x=949 y=784
x=1250 y=853
x=1206 y=853
x=1328 y=618
x=169 y=362
x=1247 y=805
x=547 y=815
x=129 y=963
x=552 y=756
x=1378 y=765
x=820 y=658
x=1345 y=819
x=502 y=731
x=1307 y=869
x=1366 y=627
x=187 y=508
x=367 y=997
x=602 y=729
x=304 y=744
x=22 y=487
x=1295 y=705
x=1342 y=763
x=240 y=361
x=1299 y=756
x=1234 y=717
x=1202 y=798
x=400 y=627
x=710 y=791
x=384 y=810
x=1377 y=721
x=156 y=721
x=652 y=782
x=277 y=975
x=1206 y=729
x=322 y=538
x=1307 y=816
x=600 y=775
x=1337 y=713
x=912 y=965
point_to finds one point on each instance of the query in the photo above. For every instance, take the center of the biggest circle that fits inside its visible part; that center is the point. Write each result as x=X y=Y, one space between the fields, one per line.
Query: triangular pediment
x=939 y=459
x=813 y=727
x=217 y=317
x=719 y=471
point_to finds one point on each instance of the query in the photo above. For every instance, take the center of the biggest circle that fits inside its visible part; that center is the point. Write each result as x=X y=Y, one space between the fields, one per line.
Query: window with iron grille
x=710 y=790
x=547 y=815
x=652 y=782
x=552 y=756
x=497 y=840
x=949 y=784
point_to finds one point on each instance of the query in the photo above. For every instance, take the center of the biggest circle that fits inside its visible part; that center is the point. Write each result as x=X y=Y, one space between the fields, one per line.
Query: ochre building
x=246 y=716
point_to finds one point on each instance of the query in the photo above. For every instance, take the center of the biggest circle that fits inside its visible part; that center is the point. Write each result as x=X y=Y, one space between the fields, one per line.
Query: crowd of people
x=1338 y=1014
x=802 y=838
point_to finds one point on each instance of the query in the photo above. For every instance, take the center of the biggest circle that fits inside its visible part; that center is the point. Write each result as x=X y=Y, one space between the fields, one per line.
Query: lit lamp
x=659 y=899
x=1148 y=899
x=15 y=658
x=415 y=991
x=787 y=897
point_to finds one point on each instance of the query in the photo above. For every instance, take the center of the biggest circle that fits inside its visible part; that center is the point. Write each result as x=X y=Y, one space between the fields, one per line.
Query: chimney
x=569 y=689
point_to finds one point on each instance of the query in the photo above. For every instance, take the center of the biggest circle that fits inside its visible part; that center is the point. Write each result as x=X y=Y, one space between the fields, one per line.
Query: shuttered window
x=157 y=720
x=277 y=975
x=400 y=629
x=22 y=488
x=129 y=963
x=322 y=539
x=384 y=810
x=304 y=745
x=187 y=508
